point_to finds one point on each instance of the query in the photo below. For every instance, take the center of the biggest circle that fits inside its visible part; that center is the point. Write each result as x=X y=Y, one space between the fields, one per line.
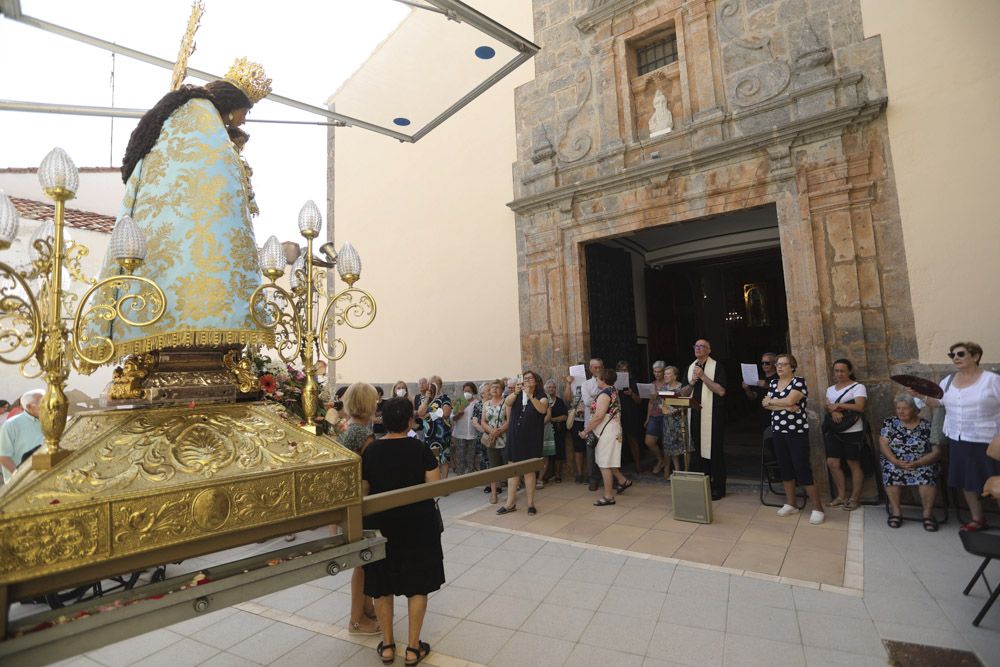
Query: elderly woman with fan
x=971 y=398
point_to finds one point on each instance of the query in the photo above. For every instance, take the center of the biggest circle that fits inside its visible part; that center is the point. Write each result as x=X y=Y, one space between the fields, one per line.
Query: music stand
x=690 y=492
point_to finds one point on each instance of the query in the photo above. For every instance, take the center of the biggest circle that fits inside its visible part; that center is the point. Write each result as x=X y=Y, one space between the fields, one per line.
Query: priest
x=707 y=379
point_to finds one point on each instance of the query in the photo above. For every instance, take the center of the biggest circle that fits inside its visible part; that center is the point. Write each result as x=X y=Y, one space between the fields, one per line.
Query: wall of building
x=435 y=235
x=100 y=190
x=942 y=69
x=14 y=383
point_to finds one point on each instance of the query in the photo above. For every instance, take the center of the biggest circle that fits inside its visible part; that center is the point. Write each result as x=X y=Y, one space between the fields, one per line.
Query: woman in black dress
x=526 y=410
x=414 y=562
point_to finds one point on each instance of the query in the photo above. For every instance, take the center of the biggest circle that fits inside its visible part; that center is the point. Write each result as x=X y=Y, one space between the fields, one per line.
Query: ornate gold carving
x=152 y=521
x=187 y=45
x=211 y=508
x=352 y=307
x=246 y=379
x=264 y=502
x=190 y=378
x=126 y=382
x=332 y=487
x=20 y=323
x=36 y=541
x=194 y=338
x=250 y=78
x=144 y=480
x=134 y=300
x=156 y=446
x=167 y=518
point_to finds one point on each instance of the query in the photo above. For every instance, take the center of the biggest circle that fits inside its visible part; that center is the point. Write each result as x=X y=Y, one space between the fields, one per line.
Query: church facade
x=771 y=105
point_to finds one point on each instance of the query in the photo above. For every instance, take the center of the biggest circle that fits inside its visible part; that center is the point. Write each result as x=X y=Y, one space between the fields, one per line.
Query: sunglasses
x=766 y=363
x=959 y=354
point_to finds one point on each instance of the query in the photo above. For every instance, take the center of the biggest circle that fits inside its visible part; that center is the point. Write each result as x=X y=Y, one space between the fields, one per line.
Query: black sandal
x=930 y=524
x=421 y=652
x=620 y=488
x=894 y=521
x=504 y=510
x=604 y=502
x=381 y=649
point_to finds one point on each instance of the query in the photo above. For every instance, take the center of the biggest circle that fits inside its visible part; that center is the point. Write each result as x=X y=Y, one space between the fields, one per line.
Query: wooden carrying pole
x=380 y=502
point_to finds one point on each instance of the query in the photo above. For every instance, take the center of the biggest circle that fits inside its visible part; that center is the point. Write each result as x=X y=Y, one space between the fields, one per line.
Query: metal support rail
x=158 y=605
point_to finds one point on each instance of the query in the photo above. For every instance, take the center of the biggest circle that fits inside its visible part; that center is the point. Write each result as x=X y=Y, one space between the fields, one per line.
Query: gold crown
x=250 y=78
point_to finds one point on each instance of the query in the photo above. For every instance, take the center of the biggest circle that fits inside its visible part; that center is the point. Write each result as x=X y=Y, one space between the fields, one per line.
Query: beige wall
x=431 y=223
x=943 y=73
x=100 y=191
x=14 y=384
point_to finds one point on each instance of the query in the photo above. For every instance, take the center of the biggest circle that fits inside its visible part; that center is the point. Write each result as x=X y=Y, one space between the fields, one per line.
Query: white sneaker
x=816 y=517
x=787 y=510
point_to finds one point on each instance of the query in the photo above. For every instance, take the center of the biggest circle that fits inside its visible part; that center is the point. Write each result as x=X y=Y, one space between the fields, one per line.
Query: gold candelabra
x=292 y=315
x=32 y=326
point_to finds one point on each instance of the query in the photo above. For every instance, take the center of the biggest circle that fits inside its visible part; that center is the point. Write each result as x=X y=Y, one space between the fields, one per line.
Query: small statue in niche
x=662 y=121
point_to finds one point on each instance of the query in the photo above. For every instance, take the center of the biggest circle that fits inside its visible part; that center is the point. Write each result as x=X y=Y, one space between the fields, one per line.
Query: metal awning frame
x=452 y=9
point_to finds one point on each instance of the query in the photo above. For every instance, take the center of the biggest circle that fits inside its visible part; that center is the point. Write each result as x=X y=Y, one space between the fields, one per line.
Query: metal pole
x=166 y=64
x=120 y=112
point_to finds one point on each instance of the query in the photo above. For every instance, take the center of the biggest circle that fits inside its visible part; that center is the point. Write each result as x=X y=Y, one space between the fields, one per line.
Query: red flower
x=268 y=383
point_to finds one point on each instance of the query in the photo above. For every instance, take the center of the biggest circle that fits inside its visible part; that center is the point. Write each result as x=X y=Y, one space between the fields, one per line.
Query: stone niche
x=642 y=88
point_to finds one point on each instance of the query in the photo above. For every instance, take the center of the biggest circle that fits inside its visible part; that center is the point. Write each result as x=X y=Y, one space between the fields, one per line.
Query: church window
x=655 y=54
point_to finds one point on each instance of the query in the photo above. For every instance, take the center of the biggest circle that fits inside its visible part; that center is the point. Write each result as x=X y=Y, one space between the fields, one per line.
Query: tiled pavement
x=514 y=598
x=744 y=535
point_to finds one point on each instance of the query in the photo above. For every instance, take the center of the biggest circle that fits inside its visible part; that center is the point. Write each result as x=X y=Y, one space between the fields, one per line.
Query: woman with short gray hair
x=909 y=459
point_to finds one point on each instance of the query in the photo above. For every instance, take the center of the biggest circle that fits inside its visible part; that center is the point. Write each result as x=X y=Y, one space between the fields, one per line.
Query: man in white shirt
x=20 y=434
x=588 y=394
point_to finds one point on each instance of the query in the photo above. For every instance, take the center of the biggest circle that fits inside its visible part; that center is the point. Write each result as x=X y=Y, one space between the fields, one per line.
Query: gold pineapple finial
x=187 y=45
x=250 y=78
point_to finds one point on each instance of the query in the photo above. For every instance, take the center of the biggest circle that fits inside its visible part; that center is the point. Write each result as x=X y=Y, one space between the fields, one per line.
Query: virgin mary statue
x=187 y=190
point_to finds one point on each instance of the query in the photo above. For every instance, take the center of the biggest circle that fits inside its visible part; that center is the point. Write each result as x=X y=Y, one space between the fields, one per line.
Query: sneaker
x=539 y=484
x=816 y=517
x=787 y=510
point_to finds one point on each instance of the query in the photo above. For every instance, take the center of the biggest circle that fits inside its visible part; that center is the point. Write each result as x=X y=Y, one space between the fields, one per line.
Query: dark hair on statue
x=225 y=96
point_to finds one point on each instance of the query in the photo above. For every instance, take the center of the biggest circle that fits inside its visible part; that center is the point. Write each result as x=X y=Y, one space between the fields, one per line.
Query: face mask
x=400 y=393
x=468 y=395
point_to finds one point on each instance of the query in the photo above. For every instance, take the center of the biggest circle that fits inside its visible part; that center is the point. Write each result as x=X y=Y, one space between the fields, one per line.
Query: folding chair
x=987 y=547
x=770 y=474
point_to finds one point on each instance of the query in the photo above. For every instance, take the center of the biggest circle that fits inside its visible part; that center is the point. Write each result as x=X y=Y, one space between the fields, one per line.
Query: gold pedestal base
x=156 y=485
x=46 y=460
x=182 y=375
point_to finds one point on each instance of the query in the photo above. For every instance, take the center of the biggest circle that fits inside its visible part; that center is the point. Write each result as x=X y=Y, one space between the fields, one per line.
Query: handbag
x=848 y=419
x=592 y=438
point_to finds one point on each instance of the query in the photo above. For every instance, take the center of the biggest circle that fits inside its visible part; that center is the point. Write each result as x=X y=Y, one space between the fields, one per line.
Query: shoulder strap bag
x=849 y=418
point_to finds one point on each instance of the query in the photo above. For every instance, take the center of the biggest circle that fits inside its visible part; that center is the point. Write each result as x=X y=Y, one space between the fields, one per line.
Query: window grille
x=656 y=54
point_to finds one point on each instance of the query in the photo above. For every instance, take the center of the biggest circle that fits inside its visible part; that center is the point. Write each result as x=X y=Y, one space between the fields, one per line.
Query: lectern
x=690 y=492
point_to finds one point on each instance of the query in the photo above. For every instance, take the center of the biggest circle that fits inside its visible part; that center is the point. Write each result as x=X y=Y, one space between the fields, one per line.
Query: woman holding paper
x=654 y=415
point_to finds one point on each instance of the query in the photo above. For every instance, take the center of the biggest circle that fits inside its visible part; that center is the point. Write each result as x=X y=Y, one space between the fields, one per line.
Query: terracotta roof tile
x=37 y=210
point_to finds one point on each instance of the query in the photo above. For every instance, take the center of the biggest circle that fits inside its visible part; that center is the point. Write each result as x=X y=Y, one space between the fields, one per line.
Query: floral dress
x=908 y=445
x=496 y=416
x=438 y=427
x=673 y=445
x=481 y=455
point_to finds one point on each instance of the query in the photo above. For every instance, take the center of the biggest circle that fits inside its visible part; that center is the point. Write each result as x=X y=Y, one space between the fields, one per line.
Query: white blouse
x=972 y=413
